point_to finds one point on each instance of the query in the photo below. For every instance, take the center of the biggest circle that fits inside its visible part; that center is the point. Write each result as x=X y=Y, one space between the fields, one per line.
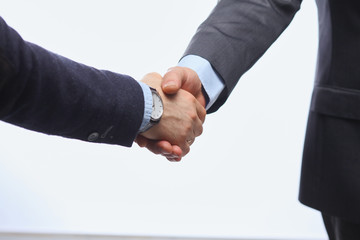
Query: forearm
x=45 y=92
x=236 y=35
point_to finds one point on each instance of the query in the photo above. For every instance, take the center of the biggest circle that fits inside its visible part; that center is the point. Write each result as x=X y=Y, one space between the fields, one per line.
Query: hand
x=173 y=153
x=181 y=122
x=175 y=79
x=183 y=78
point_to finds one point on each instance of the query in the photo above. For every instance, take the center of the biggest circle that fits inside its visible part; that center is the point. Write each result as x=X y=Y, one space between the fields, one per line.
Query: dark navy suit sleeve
x=45 y=92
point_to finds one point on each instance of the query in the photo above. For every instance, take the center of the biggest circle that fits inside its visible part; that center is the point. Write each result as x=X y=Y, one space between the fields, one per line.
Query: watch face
x=157 y=108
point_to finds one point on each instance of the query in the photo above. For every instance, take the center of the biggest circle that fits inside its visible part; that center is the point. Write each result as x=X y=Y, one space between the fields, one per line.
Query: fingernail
x=169 y=84
x=164 y=153
x=174 y=158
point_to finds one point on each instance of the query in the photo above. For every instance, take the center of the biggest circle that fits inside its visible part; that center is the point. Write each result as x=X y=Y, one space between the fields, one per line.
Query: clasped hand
x=183 y=116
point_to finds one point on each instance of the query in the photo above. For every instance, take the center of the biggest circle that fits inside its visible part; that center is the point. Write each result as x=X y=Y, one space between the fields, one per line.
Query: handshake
x=183 y=113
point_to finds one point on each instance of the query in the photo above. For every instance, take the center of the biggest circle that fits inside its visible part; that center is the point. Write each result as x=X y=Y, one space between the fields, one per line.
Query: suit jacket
x=45 y=92
x=235 y=36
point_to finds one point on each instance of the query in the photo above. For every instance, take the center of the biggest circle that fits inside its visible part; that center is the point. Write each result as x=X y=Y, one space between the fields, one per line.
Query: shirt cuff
x=148 y=102
x=211 y=81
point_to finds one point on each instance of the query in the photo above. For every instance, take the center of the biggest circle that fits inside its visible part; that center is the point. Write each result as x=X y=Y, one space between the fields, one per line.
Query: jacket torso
x=235 y=36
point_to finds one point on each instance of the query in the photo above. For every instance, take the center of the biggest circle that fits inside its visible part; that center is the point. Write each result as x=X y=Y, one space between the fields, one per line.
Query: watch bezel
x=155 y=94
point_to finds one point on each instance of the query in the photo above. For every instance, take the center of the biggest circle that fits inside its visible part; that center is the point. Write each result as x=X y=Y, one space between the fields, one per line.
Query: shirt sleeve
x=148 y=101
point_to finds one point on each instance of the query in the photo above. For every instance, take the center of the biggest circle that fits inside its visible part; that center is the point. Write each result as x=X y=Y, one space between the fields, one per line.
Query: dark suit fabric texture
x=45 y=92
x=340 y=229
x=238 y=32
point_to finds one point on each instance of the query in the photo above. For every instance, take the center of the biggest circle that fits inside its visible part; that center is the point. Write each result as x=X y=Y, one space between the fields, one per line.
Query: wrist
x=157 y=110
x=212 y=83
x=148 y=101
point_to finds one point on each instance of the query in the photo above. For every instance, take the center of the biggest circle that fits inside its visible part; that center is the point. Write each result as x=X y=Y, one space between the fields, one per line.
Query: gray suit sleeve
x=237 y=33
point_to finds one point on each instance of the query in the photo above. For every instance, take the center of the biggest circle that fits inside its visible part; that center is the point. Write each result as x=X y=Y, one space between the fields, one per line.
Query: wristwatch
x=157 y=109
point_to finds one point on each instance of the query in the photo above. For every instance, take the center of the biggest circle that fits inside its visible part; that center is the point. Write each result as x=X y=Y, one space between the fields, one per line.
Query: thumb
x=183 y=78
x=173 y=80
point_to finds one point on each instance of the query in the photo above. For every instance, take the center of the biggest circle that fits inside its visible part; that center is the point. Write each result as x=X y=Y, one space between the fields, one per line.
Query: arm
x=45 y=92
x=48 y=93
x=235 y=35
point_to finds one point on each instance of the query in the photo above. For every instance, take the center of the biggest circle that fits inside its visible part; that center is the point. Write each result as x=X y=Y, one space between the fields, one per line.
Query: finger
x=177 y=151
x=190 y=141
x=201 y=112
x=173 y=80
x=185 y=149
x=158 y=147
x=174 y=159
x=141 y=141
x=164 y=148
x=201 y=99
x=176 y=154
x=199 y=120
x=183 y=78
x=197 y=128
x=190 y=80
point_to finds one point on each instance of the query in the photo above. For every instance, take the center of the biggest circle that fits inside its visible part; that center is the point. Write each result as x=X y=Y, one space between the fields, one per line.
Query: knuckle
x=186 y=150
x=188 y=128
x=204 y=113
x=200 y=131
x=193 y=116
x=189 y=97
x=183 y=136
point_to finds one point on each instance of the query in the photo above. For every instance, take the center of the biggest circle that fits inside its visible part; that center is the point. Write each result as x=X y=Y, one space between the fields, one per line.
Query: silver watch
x=157 y=109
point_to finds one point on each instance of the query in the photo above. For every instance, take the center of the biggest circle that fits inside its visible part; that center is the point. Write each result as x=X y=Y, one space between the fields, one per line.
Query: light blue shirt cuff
x=210 y=80
x=148 y=102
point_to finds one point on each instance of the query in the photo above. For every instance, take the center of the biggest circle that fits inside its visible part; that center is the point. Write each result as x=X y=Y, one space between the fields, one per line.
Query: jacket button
x=93 y=136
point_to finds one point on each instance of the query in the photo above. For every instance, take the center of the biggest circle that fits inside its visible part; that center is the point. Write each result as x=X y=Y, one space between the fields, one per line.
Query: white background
x=241 y=177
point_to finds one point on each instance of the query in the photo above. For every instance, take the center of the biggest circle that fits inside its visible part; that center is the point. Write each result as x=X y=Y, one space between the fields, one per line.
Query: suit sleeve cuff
x=211 y=81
